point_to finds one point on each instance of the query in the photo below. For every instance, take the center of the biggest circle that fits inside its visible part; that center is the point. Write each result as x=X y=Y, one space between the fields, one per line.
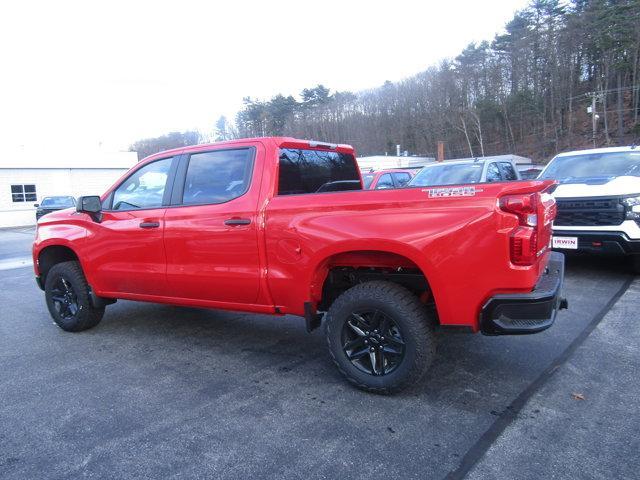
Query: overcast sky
x=80 y=73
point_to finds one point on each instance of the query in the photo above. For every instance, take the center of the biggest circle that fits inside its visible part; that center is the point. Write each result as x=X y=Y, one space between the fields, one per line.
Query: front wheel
x=67 y=294
x=380 y=336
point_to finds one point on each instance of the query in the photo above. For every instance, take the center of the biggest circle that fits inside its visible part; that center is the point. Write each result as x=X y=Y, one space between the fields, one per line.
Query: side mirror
x=36 y=205
x=92 y=205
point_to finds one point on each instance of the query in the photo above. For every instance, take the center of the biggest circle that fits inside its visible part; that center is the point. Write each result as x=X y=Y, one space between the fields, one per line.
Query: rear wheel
x=380 y=336
x=67 y=294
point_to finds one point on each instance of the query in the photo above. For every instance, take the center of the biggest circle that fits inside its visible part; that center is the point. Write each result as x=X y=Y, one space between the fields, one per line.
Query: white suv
x=598 y=201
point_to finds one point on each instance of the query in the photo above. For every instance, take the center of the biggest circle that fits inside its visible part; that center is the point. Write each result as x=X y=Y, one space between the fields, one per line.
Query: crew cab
x=598 y=201
x=256 y=225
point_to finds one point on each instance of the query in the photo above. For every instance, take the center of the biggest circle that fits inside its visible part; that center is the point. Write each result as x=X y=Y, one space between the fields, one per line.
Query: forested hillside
x=526 y=92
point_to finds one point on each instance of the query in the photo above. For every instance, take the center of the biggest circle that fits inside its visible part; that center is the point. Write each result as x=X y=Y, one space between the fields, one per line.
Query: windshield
x=58 y=202
x=367 y=179
x=452 y=174
x=611 y=164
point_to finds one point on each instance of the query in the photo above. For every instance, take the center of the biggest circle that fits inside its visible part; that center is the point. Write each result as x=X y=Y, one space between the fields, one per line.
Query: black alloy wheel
x=372 y=341
x=65 y=299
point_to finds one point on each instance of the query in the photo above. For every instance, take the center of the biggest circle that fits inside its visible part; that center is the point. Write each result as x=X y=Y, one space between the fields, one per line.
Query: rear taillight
x=523 y=242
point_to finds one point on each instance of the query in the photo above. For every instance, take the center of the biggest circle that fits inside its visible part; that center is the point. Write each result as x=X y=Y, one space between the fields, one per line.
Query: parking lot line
x=480 y=448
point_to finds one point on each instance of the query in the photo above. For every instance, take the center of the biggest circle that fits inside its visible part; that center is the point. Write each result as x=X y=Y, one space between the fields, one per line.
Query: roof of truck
x=295 y=142
x=598 y=150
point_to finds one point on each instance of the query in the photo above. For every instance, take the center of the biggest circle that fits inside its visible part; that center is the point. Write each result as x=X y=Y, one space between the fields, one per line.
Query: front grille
x=589 y=212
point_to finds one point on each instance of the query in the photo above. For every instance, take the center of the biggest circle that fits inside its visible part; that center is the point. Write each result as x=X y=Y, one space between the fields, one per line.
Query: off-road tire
x=86 y=315
x=413 y=322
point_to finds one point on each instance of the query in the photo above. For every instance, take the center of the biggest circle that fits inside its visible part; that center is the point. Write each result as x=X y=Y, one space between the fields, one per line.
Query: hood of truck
x=597 y=187
x=57 y=216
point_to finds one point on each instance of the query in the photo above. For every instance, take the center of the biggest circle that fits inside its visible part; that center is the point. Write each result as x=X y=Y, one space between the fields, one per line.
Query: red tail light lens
x=523 y=243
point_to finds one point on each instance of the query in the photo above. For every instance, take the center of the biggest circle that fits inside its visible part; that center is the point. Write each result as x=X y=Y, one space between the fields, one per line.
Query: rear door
x=211 y=230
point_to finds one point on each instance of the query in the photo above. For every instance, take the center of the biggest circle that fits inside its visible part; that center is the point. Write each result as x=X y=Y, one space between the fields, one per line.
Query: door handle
x=237 y=221
x=149 y=224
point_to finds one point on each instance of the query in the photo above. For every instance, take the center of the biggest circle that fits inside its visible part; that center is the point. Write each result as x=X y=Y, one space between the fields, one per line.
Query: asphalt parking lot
x=156 y=391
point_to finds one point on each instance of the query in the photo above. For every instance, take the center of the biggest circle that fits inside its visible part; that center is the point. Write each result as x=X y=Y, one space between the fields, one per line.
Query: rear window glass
x=452 y=174
x=58 y=202
x=316 y=171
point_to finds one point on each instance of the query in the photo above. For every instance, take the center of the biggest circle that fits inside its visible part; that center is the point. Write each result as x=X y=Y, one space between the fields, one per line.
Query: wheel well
x=53 y=255
x=346 y=270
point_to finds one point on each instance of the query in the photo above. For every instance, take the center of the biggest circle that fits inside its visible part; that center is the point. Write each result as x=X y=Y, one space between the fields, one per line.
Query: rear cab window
x=448 y=174
x=304 y=171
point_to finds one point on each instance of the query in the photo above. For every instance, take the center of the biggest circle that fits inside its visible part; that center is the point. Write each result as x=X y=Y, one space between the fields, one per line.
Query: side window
x=367 y=180
x=401 y=178
x=493 y=173
x=384 y=182
x=508 y=171
x=316 y=171
x=218 y=176
x=144 y=188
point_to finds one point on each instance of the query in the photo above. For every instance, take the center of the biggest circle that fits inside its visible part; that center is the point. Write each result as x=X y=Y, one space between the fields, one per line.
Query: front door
x=211 y=231
x=127 y=247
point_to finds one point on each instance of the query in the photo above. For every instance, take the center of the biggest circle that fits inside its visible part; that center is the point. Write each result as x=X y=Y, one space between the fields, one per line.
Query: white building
x=27 y=176
x=384 y=162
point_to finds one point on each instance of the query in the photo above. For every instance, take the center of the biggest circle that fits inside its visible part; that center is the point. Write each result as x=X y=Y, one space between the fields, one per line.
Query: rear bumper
x=524 y=313
x=606 y=243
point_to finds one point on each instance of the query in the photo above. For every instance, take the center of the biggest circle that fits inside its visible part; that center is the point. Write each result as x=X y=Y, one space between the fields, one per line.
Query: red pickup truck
x=282 y=226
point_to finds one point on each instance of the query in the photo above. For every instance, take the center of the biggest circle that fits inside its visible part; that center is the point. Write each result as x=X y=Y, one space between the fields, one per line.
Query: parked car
x=453 y=172
x=530 y=173
x=240 y=225
x=598 y=201
x=52 y=204
x=385 y=179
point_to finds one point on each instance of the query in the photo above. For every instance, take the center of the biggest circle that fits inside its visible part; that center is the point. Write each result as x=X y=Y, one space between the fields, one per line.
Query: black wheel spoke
x=358 y=354
x=361 y=322
x=392 y=350
x=382 y=366
x=394 y=340
x=357 y=342
x=64 y=309
x=374 y=360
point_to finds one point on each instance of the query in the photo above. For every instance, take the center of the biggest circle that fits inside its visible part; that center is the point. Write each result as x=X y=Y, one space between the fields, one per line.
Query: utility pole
x=594 y=116
x=440 y=151
x=594 y=120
